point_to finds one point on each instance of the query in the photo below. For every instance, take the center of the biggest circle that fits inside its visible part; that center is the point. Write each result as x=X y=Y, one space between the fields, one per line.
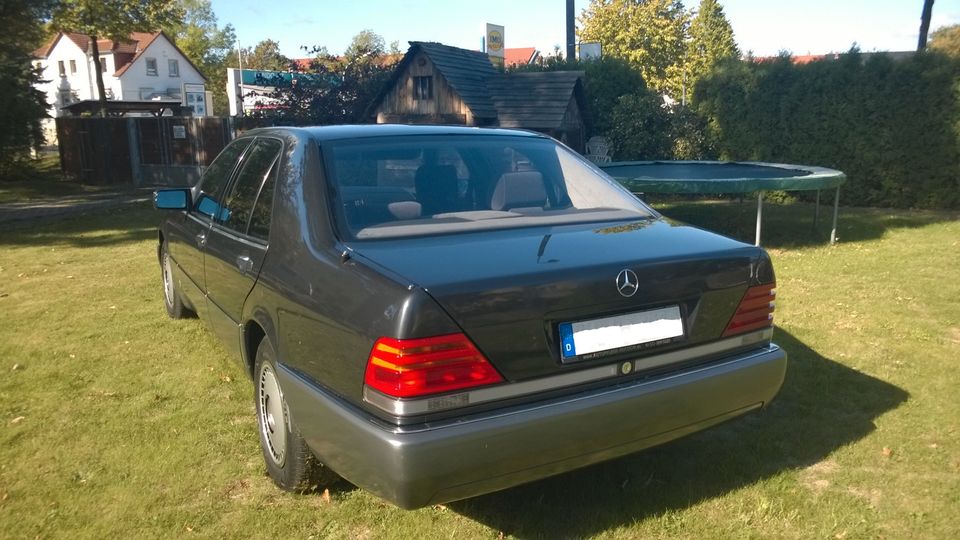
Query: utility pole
x=571 y=32
x=925 y=24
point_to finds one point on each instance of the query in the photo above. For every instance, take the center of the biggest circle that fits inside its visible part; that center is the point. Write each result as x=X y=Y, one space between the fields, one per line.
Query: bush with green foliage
x=891 y=126
x=633 y=117
x=640 y=128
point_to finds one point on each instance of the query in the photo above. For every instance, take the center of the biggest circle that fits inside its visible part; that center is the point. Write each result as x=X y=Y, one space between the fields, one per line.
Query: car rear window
x=407 y=186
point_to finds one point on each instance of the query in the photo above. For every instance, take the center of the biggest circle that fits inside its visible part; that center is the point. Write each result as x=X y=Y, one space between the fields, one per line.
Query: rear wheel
x=171 y=296
x=290 y=463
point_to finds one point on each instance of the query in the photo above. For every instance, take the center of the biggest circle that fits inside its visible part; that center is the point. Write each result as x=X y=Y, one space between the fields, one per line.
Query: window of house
x=174 y=68
x=63 y=68
x=422 y=88
x=73 y=67
x=103 y=64
x=152 y=67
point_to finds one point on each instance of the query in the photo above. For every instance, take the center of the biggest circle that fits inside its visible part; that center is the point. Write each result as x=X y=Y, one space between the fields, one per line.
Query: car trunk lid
x=511 y=290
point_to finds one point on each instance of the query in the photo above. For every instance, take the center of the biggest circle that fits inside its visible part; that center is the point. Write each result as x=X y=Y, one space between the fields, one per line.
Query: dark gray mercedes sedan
x=434 y=313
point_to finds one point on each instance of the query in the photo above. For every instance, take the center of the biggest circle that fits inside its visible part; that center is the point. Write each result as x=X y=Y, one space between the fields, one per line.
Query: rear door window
x=260 y=218
x=209 y=199
x=257 y=167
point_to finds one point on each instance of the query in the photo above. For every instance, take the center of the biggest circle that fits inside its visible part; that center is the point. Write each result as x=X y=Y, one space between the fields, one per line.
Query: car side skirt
x=413 y=466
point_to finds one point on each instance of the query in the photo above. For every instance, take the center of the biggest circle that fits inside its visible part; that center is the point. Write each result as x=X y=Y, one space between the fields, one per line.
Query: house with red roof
x=519 y=56
x=147 y=66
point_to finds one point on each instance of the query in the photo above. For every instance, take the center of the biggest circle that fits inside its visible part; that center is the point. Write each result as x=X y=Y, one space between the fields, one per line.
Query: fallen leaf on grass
x=887 y=452
x=225 y=378
x=17 y=419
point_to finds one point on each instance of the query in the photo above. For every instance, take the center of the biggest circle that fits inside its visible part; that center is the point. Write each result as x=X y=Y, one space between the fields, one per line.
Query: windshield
x=407 y=186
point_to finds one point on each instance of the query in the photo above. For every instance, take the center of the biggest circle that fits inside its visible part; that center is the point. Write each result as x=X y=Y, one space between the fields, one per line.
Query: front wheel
x=290 y=463
x=171 y=296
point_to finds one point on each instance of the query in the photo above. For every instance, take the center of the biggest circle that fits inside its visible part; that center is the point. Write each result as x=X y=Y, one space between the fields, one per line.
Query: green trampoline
x=728 y=177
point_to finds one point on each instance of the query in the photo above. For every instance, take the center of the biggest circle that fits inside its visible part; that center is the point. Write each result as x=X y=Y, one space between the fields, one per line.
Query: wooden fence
x=143 y=151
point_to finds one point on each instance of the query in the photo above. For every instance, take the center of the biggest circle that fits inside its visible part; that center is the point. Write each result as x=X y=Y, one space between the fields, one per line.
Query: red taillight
x=755 y=310
x=416 y=367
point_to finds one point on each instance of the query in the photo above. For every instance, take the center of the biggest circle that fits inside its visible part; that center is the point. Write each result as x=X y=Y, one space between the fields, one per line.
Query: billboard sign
x=495 y=42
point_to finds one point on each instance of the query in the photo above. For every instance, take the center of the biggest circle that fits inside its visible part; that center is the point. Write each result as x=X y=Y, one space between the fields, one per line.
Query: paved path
x=56 y=208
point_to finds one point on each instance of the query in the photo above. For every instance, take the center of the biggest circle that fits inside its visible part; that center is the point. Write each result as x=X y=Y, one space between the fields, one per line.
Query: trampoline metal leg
x=759 y=216
x=836 y=210
x=816 y=211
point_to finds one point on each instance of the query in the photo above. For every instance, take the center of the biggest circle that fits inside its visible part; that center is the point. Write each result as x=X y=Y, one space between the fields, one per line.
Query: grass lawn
x=118 y=422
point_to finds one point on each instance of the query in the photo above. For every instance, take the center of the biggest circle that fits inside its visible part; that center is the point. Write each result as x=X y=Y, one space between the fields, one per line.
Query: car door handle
x=201 y=239
x=244 y=263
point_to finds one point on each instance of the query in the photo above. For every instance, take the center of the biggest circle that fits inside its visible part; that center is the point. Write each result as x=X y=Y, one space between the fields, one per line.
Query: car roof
x=329 y=133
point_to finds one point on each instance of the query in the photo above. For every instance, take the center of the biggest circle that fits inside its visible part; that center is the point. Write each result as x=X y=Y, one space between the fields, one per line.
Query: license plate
x=597 y=335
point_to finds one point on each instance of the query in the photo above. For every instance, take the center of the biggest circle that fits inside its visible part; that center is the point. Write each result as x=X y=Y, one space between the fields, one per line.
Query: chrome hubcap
x=272 y=415
x=167 y=280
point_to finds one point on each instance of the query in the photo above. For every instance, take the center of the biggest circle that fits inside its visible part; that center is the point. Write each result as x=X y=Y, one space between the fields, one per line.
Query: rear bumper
x=414 y=467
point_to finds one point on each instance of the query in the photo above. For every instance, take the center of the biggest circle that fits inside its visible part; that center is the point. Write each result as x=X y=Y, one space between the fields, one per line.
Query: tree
x=115 y=20
x=208 y=46
x=265 y=56
x=23 y=105
x=365 y=43
x=711 y=41
x=333 y=90
x=925 y=17
x=946 y=39
x=649 y=34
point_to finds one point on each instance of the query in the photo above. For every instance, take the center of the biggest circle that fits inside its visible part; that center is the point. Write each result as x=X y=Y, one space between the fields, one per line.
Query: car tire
x=171 y=295
x=290 y=462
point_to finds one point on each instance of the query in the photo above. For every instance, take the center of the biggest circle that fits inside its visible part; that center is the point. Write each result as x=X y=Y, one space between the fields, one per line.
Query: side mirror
x=171 y=199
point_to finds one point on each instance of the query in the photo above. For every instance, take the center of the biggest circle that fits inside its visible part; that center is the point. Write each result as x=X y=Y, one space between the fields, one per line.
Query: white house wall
x=135 y=78
x=79 y=82
x=128 y=87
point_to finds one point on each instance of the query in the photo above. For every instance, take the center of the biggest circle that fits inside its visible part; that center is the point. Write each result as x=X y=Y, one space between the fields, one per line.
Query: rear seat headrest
x=519 y=190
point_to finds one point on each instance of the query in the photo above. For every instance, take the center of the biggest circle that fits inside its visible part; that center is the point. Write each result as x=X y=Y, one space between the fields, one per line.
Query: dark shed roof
x=466 y=71
x=535 y=100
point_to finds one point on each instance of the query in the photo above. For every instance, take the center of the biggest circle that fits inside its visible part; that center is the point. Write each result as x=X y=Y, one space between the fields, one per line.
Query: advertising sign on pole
x=495 y=43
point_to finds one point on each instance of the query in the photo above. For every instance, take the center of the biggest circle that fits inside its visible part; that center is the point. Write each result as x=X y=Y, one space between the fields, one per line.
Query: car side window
x=209 y=198
x=256 y=167
x=260 y=218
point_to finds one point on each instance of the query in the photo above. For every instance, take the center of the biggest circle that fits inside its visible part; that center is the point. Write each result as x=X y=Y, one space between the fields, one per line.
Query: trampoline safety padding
x=728 y=177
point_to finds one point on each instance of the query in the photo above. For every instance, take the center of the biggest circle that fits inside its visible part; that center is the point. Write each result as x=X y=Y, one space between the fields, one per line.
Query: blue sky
x=762 y=26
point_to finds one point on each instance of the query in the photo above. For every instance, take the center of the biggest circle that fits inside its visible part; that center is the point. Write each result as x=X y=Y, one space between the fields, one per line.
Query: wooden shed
x=550 y=102
x=439 y=84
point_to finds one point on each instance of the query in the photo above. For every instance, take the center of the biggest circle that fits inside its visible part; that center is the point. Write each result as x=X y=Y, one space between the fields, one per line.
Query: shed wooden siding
x=398 y=106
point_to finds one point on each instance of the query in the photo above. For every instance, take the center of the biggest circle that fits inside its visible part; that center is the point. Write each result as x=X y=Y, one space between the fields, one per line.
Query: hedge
x=891 y=126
